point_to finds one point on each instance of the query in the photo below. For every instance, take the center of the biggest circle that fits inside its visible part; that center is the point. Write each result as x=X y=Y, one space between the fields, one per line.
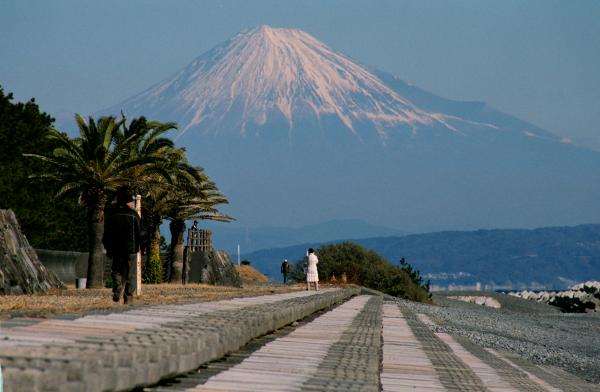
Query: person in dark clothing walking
x=285 y=270
x=122 y=240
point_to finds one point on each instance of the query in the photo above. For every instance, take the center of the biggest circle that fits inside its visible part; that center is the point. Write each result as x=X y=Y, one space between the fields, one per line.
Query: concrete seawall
x=68 y=266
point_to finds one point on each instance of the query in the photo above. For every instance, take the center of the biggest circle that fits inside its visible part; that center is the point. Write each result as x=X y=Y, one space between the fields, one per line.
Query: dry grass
x=250 y=276
x=73 y=301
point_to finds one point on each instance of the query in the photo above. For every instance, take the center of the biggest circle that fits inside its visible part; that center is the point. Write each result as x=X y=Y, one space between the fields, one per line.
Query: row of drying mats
x=368 y=344
x=350 y=343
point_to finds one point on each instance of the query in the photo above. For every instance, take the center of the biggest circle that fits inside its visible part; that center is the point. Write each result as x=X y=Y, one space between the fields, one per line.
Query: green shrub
x=367 y=268
x=152 y=272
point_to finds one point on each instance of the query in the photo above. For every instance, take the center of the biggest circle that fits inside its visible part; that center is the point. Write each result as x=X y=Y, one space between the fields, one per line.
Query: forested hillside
x=552 y=257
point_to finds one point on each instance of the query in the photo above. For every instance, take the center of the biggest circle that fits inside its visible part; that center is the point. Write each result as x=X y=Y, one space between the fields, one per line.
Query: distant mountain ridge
x=295 y=132
x=544 y=258
x=254 y=238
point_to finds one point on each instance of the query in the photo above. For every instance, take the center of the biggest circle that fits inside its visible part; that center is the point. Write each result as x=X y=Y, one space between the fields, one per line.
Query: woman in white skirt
x=312 y=275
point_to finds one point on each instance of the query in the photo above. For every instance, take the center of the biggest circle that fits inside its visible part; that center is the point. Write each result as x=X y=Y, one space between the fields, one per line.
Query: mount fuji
x=296 y=133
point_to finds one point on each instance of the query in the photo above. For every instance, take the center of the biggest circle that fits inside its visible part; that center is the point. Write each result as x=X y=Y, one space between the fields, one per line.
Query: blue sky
x=538 y=60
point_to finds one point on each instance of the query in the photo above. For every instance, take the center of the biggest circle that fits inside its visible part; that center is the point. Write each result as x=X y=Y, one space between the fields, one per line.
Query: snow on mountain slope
x=268 y=73
x=296 y=133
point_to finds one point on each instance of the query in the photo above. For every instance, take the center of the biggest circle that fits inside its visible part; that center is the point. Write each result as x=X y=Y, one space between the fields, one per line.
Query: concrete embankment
x=120 y=351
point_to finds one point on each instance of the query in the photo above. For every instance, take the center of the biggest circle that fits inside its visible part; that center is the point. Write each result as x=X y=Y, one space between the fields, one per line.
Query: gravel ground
x=537 y=332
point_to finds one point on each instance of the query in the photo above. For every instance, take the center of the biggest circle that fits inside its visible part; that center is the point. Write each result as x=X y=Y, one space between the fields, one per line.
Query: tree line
x=47 y=177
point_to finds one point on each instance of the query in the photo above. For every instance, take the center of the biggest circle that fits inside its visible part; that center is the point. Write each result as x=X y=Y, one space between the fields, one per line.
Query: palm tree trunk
x=95 y=272
x=177 y=228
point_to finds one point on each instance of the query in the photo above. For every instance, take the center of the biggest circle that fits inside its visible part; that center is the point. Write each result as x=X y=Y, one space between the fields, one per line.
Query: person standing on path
x=312 y=274
x=285 y=270
x=122 y=239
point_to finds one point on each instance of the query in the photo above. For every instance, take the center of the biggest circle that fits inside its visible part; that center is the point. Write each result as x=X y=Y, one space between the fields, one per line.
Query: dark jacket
x=122 y=231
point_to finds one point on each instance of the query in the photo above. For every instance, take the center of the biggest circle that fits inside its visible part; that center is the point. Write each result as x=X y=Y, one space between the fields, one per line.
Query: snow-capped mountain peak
x=267 y=73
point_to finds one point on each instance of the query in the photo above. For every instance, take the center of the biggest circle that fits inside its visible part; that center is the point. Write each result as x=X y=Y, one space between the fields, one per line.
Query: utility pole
x=238 y=248
x=138 y=270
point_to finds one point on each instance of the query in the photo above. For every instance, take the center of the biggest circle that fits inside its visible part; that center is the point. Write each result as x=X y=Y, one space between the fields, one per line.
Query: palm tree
x=158 y=183
x=144 y=178
x=94 y=165
x=192 y=201
x=153 y=180
x=150 y=181
x=156 y=206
